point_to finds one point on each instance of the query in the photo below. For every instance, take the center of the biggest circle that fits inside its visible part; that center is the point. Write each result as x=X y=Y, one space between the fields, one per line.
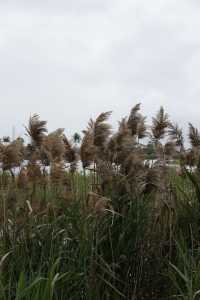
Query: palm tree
x=76 y=138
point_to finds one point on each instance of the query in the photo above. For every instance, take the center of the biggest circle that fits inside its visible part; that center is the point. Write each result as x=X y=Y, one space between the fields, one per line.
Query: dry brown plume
x=87 y=150
x=102 y=129
x=12 y=154
x=134 y=119
x=57 y=172
x=176 y=134
x=137 y=123
x=160 y=124
x=36 y=129
x=54 y=146
x=98 y=204
x=95 y=139
x=135 y=172
x=194 y=136
x=142 y=128
x=34 y=173
x=120 y=144
x=22 y=179
x=70 y=155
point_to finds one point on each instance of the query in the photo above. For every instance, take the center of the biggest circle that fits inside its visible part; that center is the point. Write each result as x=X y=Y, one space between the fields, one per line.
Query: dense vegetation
x=126 y=226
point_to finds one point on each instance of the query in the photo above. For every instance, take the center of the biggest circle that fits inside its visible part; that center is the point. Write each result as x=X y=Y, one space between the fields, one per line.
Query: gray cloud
x=48 y=6
x=70 y=60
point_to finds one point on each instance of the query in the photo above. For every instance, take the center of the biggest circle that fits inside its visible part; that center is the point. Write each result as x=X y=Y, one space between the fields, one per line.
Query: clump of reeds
x=106 y=233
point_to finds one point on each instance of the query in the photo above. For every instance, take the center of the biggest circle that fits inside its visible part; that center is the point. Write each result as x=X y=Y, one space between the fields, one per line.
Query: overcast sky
x=69 y=60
